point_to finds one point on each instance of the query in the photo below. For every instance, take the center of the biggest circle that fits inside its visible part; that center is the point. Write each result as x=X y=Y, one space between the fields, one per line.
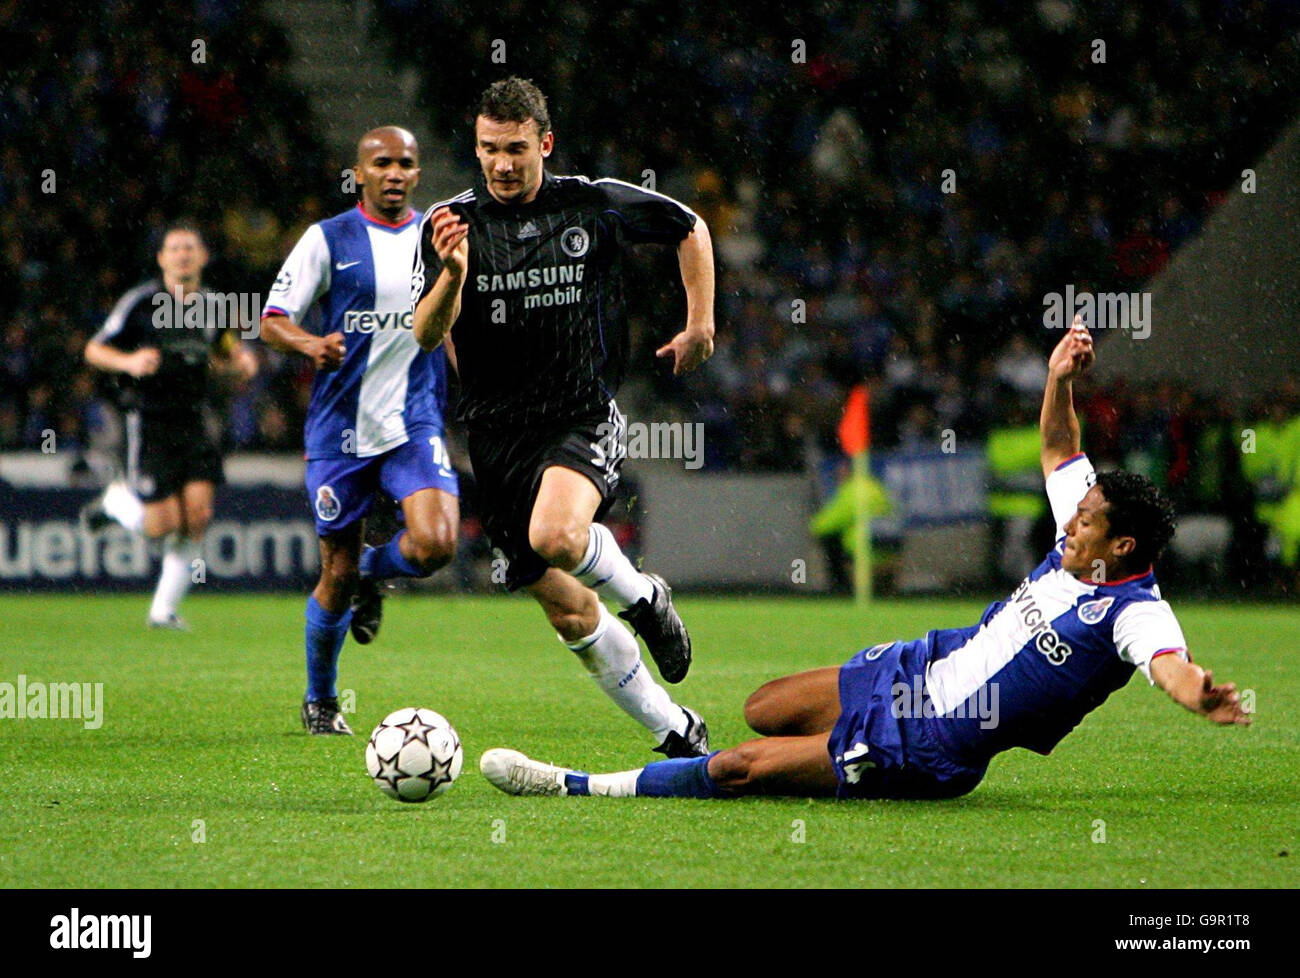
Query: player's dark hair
x=181 y=225
x=1136 y=508
x=515 y=99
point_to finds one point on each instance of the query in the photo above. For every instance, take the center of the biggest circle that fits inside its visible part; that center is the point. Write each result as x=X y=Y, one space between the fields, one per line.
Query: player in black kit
x=159 y=341
x=520 y=276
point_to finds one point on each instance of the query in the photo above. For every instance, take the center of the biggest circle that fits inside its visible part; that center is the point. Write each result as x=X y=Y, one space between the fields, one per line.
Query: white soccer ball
x=414 y=754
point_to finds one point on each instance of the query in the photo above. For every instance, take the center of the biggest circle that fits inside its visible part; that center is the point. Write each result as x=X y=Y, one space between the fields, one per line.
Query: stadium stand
x=815 y=143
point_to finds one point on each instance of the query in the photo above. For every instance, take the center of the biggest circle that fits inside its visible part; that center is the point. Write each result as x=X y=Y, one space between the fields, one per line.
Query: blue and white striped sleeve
x=303 y=278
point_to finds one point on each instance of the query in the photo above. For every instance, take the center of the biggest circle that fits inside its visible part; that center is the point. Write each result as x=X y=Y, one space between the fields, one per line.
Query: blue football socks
x=683 y=777
x=576 y=783
x=325 y=634
x=388 y=561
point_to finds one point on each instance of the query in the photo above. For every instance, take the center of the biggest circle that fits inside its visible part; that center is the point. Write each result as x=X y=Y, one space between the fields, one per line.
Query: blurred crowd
x=115 y=119
x=892 y=190
x=819 y=142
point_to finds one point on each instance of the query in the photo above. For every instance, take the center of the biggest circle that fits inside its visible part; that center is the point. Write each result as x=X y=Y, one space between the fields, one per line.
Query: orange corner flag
x=855 y=426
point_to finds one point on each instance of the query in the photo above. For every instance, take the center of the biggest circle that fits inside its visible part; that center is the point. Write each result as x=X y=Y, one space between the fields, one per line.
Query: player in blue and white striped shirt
x=375 y=417
x=922 y=719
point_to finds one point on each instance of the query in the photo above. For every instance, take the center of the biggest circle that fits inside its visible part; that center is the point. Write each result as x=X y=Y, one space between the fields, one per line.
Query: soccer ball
x=414 y=754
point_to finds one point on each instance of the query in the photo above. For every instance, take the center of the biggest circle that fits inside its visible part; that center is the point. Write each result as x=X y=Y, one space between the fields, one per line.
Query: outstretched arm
x=693 y=345
x=1058 y=424
x=1194 y=688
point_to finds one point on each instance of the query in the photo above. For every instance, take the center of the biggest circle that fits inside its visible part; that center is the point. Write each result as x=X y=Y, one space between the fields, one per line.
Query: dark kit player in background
x=520 y=277
x=160 y=340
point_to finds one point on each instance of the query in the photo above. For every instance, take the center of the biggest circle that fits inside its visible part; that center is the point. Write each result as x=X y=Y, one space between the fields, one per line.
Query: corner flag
x=855 y=439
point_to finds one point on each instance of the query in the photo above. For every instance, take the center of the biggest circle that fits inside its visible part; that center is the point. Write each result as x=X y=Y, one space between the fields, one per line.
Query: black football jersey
x=541 y=339
x=185 y=334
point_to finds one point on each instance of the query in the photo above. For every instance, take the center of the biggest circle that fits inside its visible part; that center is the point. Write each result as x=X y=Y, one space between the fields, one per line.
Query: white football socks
x=124 y=506
x=620 y=785
x=177 y=570
x=613 y=658
x=604 y=568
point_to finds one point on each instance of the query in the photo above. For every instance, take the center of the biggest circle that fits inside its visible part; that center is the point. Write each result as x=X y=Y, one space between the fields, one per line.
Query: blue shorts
x=342 y=490
x=880 y=751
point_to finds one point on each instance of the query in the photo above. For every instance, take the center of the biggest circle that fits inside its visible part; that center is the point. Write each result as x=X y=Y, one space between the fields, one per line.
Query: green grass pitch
x=200 y=740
